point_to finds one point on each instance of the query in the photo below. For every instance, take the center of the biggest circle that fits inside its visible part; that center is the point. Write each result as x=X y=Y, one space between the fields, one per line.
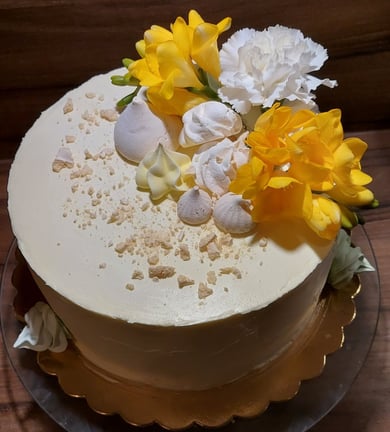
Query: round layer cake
x=144 y=296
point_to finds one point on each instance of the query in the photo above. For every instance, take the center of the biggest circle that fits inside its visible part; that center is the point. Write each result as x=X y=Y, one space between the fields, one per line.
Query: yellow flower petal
x=182 y=37
x=325 y=219
x=250 y=178
x=181 y=101
x=205 y=49
x=354 y=196
x=143 y=72
x=281 y=204
x=281 y=182
x=156 y=35
x=224 y=25
x=140 y=46
x=194 y=19
x=171 y=61
x=360 y=178
x=330 y=128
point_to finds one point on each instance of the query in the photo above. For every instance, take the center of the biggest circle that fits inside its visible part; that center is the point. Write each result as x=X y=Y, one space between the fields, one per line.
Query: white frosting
x=133 y=140
x=207 y=122
x=43 y=330
x=93 y=220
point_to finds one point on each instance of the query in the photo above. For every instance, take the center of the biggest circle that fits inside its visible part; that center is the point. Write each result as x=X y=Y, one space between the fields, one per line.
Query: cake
x=182 y=234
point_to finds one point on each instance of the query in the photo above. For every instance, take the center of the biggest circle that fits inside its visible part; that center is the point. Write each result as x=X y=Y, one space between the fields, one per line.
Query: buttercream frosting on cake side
x=142 y=293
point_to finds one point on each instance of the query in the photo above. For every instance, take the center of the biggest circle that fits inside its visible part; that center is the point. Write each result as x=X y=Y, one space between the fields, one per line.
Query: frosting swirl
x=162 y=171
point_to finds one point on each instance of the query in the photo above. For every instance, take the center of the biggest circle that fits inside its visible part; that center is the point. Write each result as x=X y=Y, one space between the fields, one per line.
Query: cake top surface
x=214 y=188
x=88 y=231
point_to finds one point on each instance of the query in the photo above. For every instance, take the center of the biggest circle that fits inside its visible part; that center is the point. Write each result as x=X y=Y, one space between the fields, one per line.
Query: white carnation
x=262 y=67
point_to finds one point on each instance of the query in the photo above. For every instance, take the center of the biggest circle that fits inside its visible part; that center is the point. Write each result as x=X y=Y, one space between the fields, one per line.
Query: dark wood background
x=50 y=46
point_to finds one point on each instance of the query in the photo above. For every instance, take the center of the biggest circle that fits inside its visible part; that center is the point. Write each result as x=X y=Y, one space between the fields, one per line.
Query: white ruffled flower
x=43 y=330
x=348 y=261
x=216 y=163
x=262 y=67
x=208 y=121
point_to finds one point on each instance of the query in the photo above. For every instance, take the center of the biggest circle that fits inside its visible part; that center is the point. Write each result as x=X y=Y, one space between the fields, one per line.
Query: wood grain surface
x=50 y=46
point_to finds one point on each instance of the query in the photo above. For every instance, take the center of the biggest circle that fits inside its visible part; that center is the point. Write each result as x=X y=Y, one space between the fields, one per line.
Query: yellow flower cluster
x=302 y=167
x=173 y=62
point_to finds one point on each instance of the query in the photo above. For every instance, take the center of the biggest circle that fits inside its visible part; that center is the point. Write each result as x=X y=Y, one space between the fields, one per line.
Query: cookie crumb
x=184 y=281
x=204 y=291
x=161 y=272
x=109 y=115
x=137 y=274
x=211 y=277
x=68 y=107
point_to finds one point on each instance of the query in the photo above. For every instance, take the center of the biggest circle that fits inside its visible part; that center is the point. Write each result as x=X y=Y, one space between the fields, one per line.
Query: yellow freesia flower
x=180 y=102
x=349 y=180
x=172 y=60
x=301 y=167
x=325 y=219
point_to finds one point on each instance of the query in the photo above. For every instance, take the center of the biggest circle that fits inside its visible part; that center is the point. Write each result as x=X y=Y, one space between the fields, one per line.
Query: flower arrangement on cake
x=252 y=145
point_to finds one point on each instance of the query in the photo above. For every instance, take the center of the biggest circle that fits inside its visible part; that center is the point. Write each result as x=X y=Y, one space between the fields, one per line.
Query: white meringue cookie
x=195 y=206
x=139 y=130
x=232 y=214
x=215 y=164
x=209 y=121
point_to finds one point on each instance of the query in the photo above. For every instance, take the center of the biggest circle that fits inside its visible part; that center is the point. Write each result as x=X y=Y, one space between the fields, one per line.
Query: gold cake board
x=247 y=397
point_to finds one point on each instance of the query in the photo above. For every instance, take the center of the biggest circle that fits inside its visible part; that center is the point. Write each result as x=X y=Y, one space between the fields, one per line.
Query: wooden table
x=366 y=407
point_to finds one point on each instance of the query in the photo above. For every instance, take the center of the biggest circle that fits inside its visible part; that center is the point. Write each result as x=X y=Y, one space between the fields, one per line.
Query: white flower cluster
x=260 y=68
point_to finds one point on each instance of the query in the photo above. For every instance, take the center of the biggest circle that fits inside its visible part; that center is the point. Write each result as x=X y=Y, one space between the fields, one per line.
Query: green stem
x=205 y=91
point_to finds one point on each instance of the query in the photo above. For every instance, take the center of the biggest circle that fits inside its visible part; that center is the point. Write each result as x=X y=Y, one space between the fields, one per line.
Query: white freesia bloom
x=348 y=260
x=209 y=121
x=216 y=163
x=43 y=330
x=262 y=67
